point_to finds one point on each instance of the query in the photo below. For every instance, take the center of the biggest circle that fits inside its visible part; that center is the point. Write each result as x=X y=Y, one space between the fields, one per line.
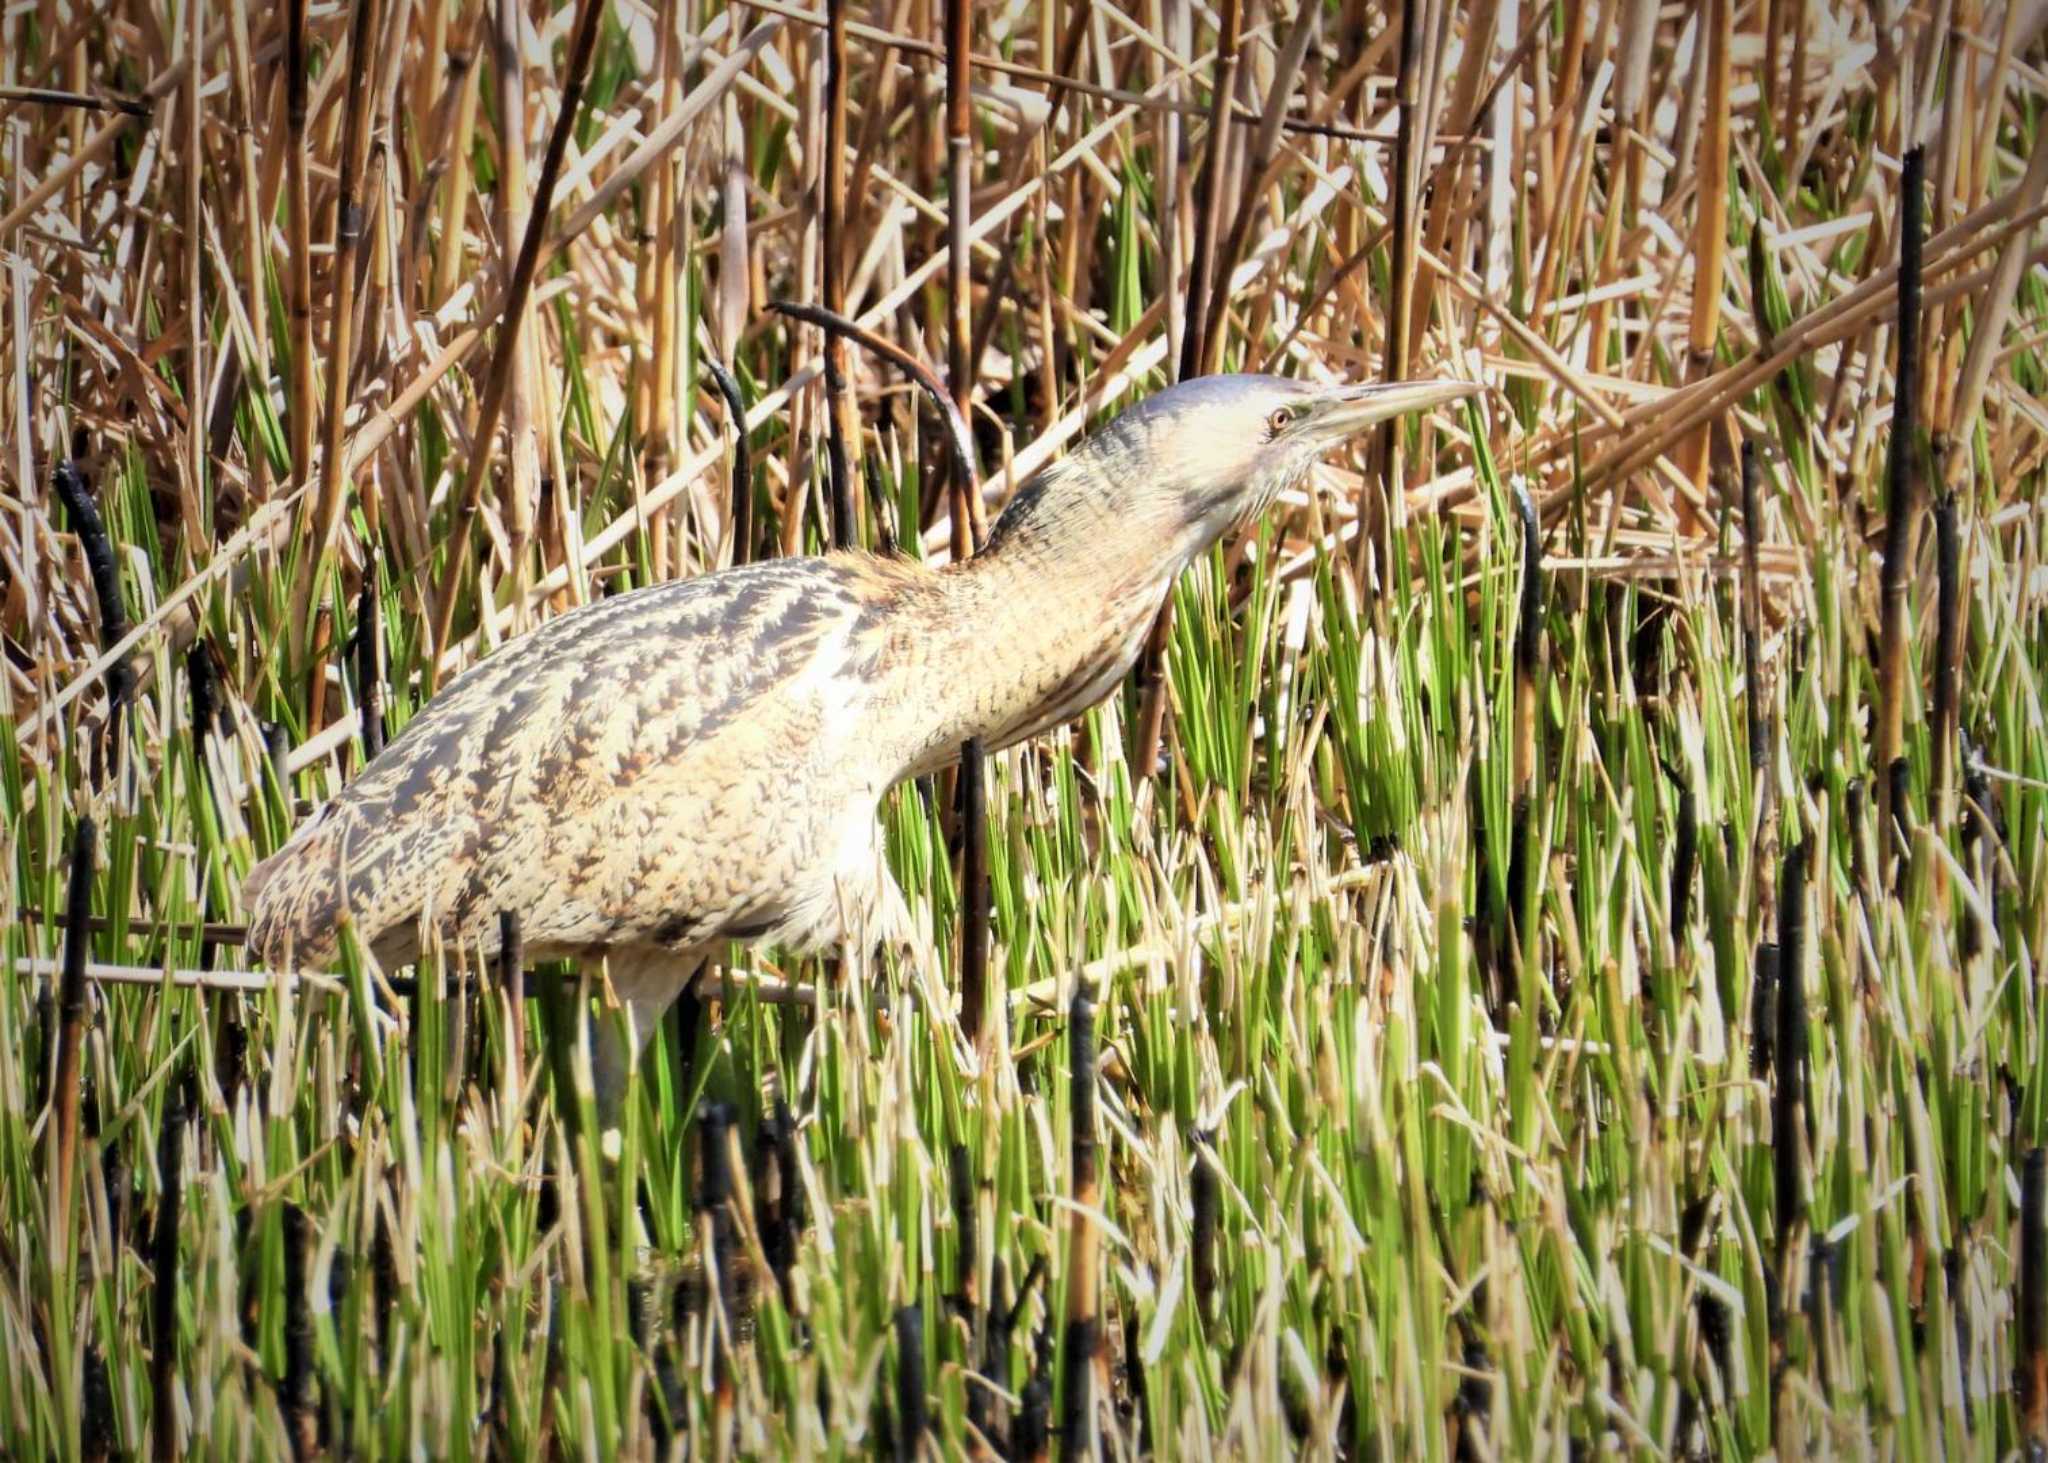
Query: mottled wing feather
x=599 y=776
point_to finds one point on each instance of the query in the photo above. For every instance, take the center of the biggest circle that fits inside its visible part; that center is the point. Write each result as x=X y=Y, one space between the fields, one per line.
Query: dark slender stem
x=1205 y=1191
x=2033 y=1297
x=911 y=1423
x=1077 y=1382
x=742 y=462
x=1788 y=1115
x=1947 y=644
x=1209 y=193
x=86 y=522
x=369 y=685
x=974 y=894
x=498 y=381
x=163 y=1300
x=958 y=442
x=300 y=1409
x=71 y=1004
x=1900 y=501
x=512 y=974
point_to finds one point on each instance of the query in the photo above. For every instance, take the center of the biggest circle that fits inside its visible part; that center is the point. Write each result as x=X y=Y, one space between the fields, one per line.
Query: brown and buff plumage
x=647 y=778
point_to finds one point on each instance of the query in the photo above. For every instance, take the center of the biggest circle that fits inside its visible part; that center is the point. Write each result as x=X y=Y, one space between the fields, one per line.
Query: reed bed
x=1543 y=957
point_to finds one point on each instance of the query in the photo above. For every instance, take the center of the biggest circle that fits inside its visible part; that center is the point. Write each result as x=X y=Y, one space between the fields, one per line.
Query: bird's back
x=612 y=776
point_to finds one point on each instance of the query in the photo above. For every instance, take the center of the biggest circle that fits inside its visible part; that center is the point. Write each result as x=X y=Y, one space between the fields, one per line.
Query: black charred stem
x=71 y=1011
x=960 y=1186
x=1788 y=1106
x=1077 y=1392
x=742 y=462
x=512 y=976
x=301 y=1414
x=975 y=896
x=1948 y=553
x=277 y=750
x=383 y=1285
x=2032 y=1381
x=71 y=487
x=779 y=1196
x=1205 y=1191
x=1763 y=1009
x=1901 y=501
x=984 y=1407
x=1684 y=861
x=911 y=1423
x=714 y=1208
x=163 y=1263
x=844 y=532
x=1032 y=1439
x=369 y=640
x=1134 y=1384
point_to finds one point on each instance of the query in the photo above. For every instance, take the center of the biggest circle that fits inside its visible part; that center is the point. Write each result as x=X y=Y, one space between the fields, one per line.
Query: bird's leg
x=646 y=982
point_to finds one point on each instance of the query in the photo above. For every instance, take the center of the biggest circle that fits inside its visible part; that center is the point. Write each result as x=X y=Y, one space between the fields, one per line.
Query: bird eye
x=1280 y=420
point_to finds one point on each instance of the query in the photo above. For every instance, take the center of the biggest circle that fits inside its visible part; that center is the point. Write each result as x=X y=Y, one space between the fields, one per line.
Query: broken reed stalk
x=1947 y=649
x=496 y=383
x=70 y=486
x=2032 y=1338
x=1077 y=1410
x=320 y=518
x=741 y=513
x=301 y=1413
x=1900 y=501
x=163 y=1263
x=71 y=1002
x=911 y=1421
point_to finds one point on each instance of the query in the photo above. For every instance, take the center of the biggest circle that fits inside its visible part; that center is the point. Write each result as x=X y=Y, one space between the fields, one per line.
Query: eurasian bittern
x=700 y=762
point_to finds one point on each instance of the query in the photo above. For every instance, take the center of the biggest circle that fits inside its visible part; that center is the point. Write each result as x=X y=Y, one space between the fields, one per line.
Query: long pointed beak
x=1351 y=409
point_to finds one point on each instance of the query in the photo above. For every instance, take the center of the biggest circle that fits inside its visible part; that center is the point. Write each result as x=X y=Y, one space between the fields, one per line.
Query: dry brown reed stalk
x=842 y=422
x=966 y=511
x=498 y=380
x=1710 y=230
x=464 y=78
x=299 y=248
x=321 y=524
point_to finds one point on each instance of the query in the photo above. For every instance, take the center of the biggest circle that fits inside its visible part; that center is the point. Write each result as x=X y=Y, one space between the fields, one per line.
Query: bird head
x=1190 y=461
